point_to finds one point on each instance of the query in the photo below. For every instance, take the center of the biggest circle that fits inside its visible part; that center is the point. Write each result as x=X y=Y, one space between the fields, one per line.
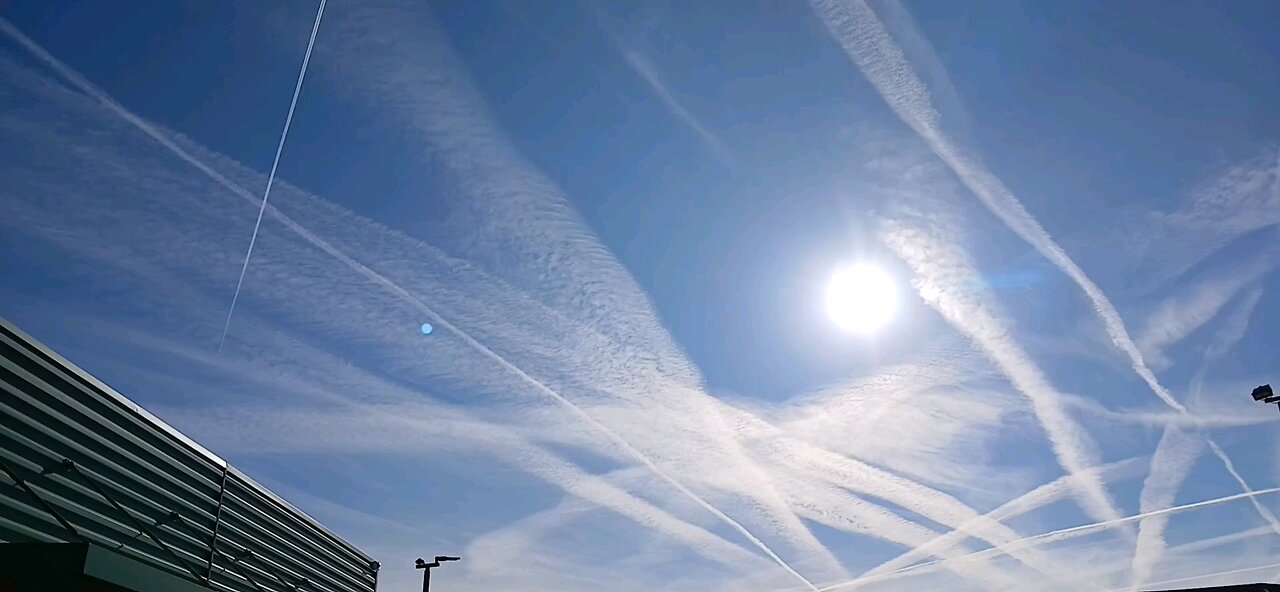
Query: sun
x=861 y=298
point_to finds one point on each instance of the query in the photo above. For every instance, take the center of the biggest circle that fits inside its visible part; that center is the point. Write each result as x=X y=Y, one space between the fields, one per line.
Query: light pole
x=426 y=569
x=1265 y=394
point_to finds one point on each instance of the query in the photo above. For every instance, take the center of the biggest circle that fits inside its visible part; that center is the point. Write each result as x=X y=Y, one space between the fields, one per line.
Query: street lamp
x=426 y=569
x=1265 y=394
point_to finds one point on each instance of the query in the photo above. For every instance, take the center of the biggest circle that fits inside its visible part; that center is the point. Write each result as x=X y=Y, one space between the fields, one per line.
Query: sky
x=621 y=220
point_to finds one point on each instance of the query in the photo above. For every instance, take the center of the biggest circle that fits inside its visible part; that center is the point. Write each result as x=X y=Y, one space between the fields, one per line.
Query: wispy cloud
x=1062 y=488
x=373 y=276
x=1226 y=337
x=1159 y=418
x=838 y=509
x=1215 y=578
x=1078 y=531
x=922 y=241
x=543 y=246
x=395 y=430
x=944 y=387
x=644 y=67
x=388 y=427
x=823 y=466
x=649 y=73
x=864 y=38
x=1192 y=307
x=1234 y=326
x=1175 y=455
x=1190 y=556
x=293 y=366
x=550 y=368
x=1065 y=534
x=1170 y=466
x=1244 y=197
x=919 y=52
x=560 y=232
x=857 y=28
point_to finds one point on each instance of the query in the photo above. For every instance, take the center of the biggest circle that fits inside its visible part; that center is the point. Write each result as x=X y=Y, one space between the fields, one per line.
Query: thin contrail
x=1185 y=550
x=1036 y=498
x=937 y=265
x=1177 y=452
x=858 y=30
x=1057 y=535
x=837 y=508
x=645 y=69
x=88 y=88
x=271 y=178
x=1207 y=575
x=855 y=478
x=851 y=475
x=1171 y=464
x=1182 y=314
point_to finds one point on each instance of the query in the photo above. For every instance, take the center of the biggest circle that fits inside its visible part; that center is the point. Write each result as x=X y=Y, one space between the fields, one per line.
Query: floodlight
x=1263 y=392
x=426 y=569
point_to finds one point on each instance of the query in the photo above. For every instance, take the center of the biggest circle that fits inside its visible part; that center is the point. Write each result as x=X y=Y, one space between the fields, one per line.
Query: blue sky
x=621 y=218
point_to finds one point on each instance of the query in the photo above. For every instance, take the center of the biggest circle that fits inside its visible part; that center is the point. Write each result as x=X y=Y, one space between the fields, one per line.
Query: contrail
x=859 y=31
x=815 y=470
x=1165 y=418
x=1208 y=575
x=809 y=463
x=937 y=266
x=643 y=67
x=1232 y=331
x=1234 y=327
x=395 y=428
x=1185 y=550
x=1058 y=535
x=88 y=88
x=388 y=418
x=275 y=163
x=1036 y=498
x=846 y=512
x=500 y=196
x=852 y=475
x=1078 y=531
x=1182 y=314
x=1178 y=451
x=1170 y=466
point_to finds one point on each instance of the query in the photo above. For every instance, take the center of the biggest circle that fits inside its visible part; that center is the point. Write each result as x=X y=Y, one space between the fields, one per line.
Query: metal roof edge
x=114 y=394
x=275 y=497
x=170 y=430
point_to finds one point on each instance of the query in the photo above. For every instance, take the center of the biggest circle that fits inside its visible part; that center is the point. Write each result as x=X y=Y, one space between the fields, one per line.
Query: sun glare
x=861 y=298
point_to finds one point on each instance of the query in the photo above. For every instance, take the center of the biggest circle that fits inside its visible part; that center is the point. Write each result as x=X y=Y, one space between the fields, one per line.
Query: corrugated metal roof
x=137 y=485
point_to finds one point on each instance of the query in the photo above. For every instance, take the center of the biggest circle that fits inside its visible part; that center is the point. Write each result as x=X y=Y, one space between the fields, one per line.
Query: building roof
x=89 y=465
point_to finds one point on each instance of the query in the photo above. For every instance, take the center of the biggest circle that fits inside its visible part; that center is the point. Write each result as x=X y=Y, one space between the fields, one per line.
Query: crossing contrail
x=1057 y=535
x=84 y=85
x=862 y=35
